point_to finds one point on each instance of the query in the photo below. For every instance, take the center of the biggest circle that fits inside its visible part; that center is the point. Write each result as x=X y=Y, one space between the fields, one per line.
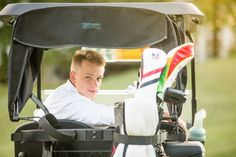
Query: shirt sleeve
x=90 y=113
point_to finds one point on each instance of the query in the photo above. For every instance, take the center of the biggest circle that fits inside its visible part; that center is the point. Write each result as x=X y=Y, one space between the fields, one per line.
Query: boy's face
x=88 y=78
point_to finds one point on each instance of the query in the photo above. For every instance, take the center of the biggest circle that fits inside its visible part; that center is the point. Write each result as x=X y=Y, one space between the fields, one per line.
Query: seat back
x=95 y=148
x=32 y=149
x=185 y=149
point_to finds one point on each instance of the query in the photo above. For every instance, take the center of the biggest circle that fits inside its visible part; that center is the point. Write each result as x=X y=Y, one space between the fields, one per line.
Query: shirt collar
x=70 y=86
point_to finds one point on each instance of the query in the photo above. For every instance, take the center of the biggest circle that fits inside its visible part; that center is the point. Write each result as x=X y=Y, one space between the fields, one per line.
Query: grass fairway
x=216 y=82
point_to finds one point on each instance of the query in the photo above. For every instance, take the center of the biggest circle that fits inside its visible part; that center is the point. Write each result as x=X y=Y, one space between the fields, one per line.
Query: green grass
x=216 y=93
x=216 y=82
x=6 y=126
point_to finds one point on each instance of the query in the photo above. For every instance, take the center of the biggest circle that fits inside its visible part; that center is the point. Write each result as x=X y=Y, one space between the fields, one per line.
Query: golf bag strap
x=139 y=140
x=48 y=122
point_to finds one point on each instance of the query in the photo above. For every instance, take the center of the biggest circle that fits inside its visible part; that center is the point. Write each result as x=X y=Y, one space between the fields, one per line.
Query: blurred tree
x=4 y=42
x=3 y=68
x=218 y=13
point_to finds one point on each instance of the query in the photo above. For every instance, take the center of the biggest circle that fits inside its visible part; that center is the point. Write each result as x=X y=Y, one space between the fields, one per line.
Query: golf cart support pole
x=193 y=81
x=39 y=86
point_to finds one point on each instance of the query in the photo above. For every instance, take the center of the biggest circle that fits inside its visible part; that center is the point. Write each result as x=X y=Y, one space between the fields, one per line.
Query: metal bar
x=193 y=81
x=39 y=87
x=39 y=103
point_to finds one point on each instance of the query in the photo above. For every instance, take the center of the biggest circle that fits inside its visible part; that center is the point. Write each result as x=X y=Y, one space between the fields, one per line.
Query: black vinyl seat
x=36 y=147
x=176 y=144
x=185 y=149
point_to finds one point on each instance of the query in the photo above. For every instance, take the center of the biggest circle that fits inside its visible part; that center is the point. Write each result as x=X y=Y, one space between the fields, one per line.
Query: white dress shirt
x=66 y=103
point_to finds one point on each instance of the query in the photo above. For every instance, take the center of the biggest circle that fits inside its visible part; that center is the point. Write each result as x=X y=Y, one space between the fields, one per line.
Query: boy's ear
x=72 y=77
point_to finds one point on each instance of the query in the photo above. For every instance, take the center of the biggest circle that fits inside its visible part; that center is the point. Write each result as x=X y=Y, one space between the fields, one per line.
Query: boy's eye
x=99 y=78
x=88 y=78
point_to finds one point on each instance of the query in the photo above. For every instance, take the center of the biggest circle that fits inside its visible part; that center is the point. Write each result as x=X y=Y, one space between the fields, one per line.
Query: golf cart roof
x=99 y=21
x=168 y=8
x=40 y=26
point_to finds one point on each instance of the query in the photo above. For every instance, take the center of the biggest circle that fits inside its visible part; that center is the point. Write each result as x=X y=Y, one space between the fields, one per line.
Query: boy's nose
x=95 y=82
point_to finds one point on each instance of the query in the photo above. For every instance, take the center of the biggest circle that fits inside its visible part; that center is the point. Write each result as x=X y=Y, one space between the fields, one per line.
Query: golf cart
x=38 y=27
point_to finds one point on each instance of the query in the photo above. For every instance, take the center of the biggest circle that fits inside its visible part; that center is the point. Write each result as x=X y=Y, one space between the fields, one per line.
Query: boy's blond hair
x=86 y=55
